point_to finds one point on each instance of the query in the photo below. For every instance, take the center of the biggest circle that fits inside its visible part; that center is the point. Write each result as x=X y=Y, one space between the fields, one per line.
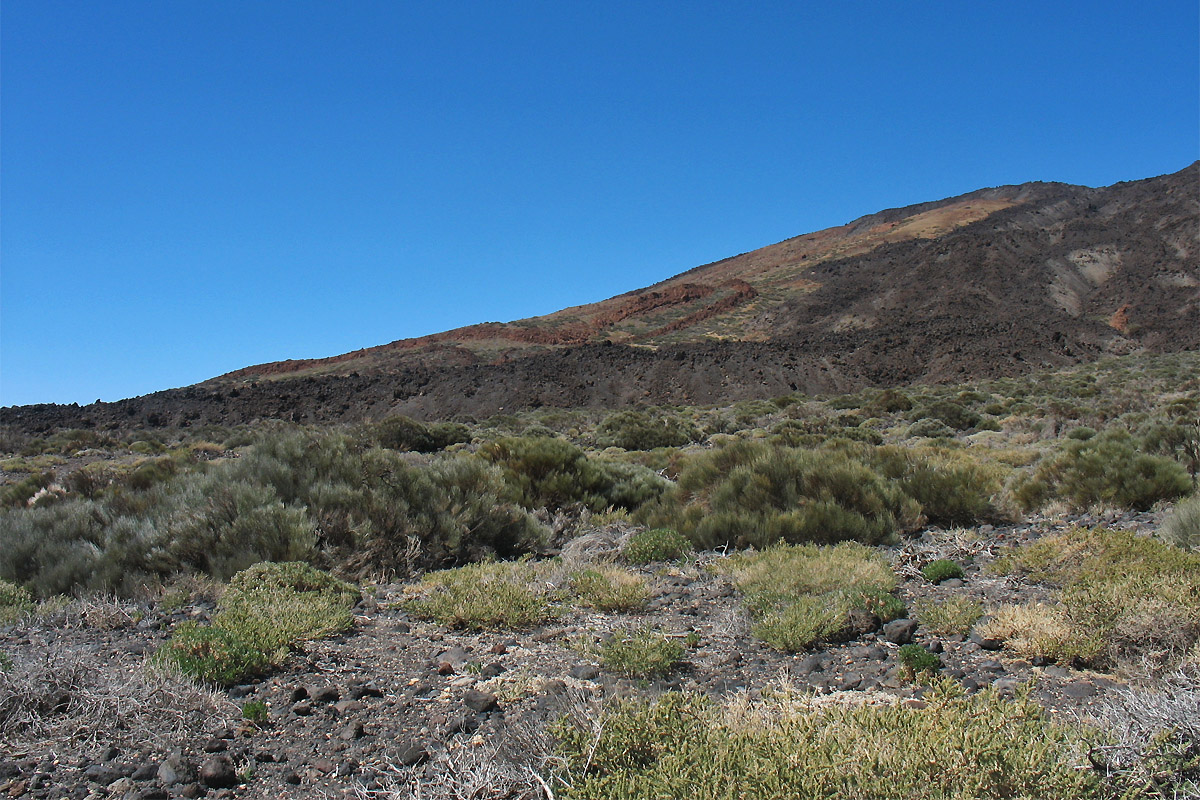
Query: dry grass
x=65 y=695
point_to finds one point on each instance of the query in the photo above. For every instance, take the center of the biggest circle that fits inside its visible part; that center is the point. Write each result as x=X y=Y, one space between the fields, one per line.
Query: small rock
x=352 y=731
x=409 y=753
x=985 y=642
x=109 y=754
x=99 y=773
x=120 y=786
x=860 y=622
x=480 y=701
x=325 y=694
x=498 y=649
x=1061 y=673
x=952 y=583
x=900 y=631
x=324 y=766
x=291 y=778
x=192 y=791
x=175 y=770
x=809 y=665
x=146 y=772
x=299 y=693
x=365 y=690
x=218 y=773
x=216 y=746
x=1079 y=690
x=303 y=708
x=584 y=672
x=492 y=670
x=343 y=707
x=461 y=723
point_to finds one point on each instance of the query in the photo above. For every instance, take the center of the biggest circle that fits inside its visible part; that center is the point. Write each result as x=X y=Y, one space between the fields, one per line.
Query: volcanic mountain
x=995 y=282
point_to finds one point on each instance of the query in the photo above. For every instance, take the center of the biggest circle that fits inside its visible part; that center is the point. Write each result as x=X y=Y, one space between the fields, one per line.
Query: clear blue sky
x=193 y=187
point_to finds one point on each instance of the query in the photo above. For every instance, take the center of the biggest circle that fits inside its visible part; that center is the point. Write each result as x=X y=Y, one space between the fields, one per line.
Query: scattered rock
x=900 y=631
x=218 y=773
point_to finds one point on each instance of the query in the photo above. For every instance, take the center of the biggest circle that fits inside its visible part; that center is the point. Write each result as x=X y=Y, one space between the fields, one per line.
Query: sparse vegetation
x=504 y=595
x=607 y=588
x=941 y=570
x=656 y=544
x=643 y=652
x=787 y=745
x=954 y=615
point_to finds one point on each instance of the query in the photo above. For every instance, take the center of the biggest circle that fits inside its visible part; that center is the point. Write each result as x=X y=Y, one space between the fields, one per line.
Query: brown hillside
x=996 y=282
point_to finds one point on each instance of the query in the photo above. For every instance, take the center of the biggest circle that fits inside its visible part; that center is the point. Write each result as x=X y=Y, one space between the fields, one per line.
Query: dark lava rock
x=303 y=708
x=216 y=746
x=1079 y=690
x=461 y=723
x=584 y=672
x=352 y=731
x=860 y=622
x=985 y=642
x=325 y=694
x=176 y=770
x=146 y=772
x=480 y=701
x=218 y=773
x=409 y=753
x=900 y=631
x=291 y=778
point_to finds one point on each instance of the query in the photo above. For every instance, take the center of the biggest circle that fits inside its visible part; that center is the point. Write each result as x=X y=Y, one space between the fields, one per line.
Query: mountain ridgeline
x=997 y=282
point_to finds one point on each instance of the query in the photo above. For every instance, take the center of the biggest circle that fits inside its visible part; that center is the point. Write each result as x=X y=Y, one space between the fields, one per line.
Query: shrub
x=637 y=430
x=951 y=488
x=553 y=473
x=948 y=412
x=641 y=653
x=255 y=712
x=888 y=401
x=14 y=602
x=267 y=609
x=751 y=493
x=272 y=606
x=916 y=660
x=941 y=570
x=1105 y=469
x=1122 y=599
x=929 y=428
x=787 y=746
x=610 y=589
x=483 y=597
x=212 y=655
x=656 y=544
x=19 y=493
x=1182 y=527
x=952 y=616
x=798 y=596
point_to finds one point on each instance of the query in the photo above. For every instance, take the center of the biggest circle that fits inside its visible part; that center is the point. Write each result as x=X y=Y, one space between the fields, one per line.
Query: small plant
x=952 y=616
x=916 y=660
x=483 y=597
x=255 y=712
x=212 y=655
x=641 y=653
x=610 y=589
x=941 y=570
x=1182 y=528
x=656 y=544
x=14 y=601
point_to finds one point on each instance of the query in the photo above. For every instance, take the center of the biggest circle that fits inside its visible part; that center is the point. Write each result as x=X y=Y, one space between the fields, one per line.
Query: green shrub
x=637 y=430
x=19 y=493
x=954 y=615
x=272 y=606
x=267 y=609
x=952 y=488
x=799 y=596
x=888 y=401
x=255 y=712
x=14 y=602
x=1106 y=469
x=1122 y=599
x=785 y=746
x=752 y=493
x=929 y=428
x=641 y=653
x=953 y=415
x=656 y=544
x=609 y=589
x=1182 y=527
x=212 y=655
x=941 y=570
x=484 y=597
x=916 y=660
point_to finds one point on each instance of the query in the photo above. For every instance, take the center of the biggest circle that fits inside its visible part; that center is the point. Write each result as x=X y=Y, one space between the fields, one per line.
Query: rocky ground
x=397 y=701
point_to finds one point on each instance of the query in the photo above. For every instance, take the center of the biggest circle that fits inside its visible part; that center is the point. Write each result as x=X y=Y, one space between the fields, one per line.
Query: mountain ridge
x=993 y=282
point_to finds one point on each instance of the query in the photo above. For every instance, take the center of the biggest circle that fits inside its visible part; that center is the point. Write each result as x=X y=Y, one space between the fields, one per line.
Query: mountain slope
x=996 y=282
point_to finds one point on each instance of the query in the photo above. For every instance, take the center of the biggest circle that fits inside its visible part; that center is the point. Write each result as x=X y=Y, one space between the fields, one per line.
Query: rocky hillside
x=996 y=282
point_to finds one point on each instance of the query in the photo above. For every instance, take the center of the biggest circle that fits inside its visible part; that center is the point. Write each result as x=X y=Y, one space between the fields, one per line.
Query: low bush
x=643 y=652
x=1106 y=469
x=952 y=616
x=787 y=746
x=656 y=544
x=915 y=661
x=638 y=430
x=267 y=609
x=951 y=487
x=404 y=433
x=487 y=596
x=950 y=413
x=929 y=428
x=753 y=493
x=1182 y=527
x=19 y=493
x=799 y=596
x=1122 y=599
x=609 y=589
x=941 y=570
x=15 y=601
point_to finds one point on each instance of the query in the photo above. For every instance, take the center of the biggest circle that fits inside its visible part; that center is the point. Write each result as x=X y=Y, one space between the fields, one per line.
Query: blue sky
x=188 y=188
